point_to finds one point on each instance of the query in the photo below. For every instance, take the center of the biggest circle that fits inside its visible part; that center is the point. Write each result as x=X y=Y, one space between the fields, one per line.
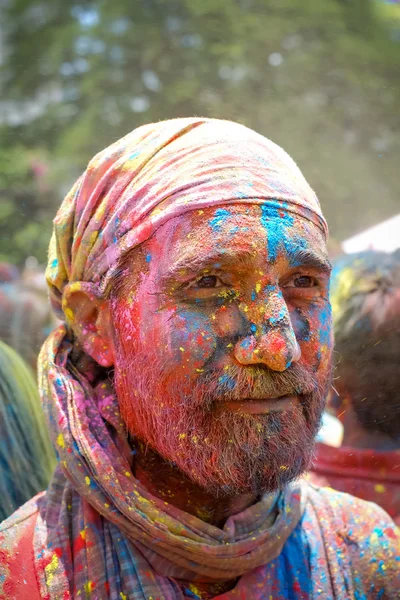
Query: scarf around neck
x=98 y=523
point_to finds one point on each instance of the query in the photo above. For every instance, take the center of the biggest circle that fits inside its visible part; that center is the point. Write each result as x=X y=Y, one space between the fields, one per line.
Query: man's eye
x=208 y=281
x=304 y=281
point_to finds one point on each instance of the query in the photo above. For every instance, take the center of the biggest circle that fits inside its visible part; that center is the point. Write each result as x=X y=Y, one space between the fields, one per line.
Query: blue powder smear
x=216 y=223
x=227 y=382
x=276 y=223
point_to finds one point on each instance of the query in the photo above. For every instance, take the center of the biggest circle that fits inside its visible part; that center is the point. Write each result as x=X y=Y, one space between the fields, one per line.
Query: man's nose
x=272 y=341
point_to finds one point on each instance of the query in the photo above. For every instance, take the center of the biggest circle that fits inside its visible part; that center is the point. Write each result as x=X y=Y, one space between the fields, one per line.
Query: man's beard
x=227 y=453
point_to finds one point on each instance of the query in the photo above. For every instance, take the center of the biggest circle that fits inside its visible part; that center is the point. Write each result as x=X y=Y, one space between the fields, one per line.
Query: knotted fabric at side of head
x=155 y=173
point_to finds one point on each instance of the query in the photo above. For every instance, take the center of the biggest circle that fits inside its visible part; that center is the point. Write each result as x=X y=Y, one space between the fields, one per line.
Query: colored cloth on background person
x=97 y=532
x=367 y=474
x=27 y=459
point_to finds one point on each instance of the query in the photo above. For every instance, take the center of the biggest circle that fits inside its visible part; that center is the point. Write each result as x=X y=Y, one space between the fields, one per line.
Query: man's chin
x=231 y=469
x=259 y=481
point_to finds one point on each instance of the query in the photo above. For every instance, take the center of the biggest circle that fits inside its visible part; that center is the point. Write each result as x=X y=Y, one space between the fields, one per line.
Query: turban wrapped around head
x=155 y=173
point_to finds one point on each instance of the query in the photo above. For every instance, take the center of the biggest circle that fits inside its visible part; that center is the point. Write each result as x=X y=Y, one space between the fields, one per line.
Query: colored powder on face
x=227 y=382
x=217 y=222
x=276 y=223
x=148 y=258
x=301 y=325
x=324 y=316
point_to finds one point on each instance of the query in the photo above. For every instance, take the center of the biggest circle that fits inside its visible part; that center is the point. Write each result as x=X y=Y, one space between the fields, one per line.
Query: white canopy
x=385 y=237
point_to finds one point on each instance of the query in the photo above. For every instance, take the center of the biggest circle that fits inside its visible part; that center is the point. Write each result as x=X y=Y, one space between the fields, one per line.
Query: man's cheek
x=191 y=340
x=314 y=333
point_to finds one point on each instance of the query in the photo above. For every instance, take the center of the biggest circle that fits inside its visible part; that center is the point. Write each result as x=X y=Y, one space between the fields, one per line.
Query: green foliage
x=319 y=78
x=25 y=224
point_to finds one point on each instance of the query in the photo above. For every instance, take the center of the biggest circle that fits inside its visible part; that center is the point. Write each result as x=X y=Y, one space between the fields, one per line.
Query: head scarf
x=99 y=530
x=160 y=171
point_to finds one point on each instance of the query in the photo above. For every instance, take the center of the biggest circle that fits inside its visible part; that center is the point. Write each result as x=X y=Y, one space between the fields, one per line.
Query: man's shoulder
x=364 y=532
x=349 y=510
x=17 y=572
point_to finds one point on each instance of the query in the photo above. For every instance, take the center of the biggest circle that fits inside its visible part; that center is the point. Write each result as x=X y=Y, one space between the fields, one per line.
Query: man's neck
x=356 y=436
x=165 y=481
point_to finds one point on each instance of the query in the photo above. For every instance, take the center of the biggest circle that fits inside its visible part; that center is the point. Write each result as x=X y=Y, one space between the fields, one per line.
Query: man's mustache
x=256 y=383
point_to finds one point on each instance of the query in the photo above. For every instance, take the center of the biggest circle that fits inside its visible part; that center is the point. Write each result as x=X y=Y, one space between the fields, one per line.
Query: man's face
x=221 y=310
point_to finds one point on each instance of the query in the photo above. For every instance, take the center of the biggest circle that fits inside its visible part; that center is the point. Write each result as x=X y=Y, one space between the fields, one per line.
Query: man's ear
x=90 y=320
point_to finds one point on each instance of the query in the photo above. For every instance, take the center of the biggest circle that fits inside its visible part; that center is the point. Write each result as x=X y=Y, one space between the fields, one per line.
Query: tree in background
x=319 y=78
x=25 y=201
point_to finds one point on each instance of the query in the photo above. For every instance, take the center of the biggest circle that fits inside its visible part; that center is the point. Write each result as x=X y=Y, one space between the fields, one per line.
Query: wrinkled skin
x=225 y=304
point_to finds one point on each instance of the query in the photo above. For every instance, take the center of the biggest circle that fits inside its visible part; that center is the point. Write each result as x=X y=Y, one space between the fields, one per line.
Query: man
x=185 y=389
x=365 y=297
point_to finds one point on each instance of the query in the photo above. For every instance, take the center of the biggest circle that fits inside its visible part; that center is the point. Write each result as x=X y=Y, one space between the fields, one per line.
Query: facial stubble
x=226 y=453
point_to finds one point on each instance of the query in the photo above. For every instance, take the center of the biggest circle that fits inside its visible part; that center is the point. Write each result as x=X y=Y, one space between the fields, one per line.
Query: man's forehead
x=232 y=233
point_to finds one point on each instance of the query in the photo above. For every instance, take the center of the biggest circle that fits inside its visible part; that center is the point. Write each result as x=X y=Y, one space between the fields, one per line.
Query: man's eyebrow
x=310 y=258
x=195 y=264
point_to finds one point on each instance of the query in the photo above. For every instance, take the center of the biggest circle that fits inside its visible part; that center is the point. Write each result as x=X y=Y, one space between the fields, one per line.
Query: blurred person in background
x=365 y=296
x=26 y=318
x=184 y=387
x=8 y=272
x=27 y=458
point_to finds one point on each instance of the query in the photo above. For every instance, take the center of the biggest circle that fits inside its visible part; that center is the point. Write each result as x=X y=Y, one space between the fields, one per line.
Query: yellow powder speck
x=258 y=287
x=182 y=349
x=51 y=569
x=199 y=370
x=60 y=440
x=283 y=468
x=229 y=345
x=246 y=308
x=380 y=488
x=194 y=590
x=69 y=314
x=200 y=212
x=127 y=474
x=182 y=436
x=87 y=479
x=89 y=587
x=122 y=595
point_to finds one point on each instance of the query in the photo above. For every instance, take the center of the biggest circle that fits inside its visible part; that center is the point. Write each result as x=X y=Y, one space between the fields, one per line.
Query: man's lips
x=263 y=406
